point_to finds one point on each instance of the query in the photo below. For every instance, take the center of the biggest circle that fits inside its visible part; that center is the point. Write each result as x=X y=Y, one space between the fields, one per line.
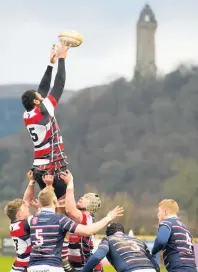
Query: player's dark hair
x=27 y=99
x=113 y=228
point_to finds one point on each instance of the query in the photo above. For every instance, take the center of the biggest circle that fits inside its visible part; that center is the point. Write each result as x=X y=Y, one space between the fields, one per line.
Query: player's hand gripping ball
x=70 y=38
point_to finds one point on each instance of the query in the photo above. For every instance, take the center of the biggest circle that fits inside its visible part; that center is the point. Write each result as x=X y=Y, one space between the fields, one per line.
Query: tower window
x=147 y=18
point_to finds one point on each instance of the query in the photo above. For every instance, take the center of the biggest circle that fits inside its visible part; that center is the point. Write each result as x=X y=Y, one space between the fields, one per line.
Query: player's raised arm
x=87 y=230
x=95 y=259
x=49 y=181
x=68 y=225
x=29 y=192
x=44 y=85
x=70 y=204
x=60 y=78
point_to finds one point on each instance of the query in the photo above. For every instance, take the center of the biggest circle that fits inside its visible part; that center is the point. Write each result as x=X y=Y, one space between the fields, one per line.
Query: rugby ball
x=70 y=38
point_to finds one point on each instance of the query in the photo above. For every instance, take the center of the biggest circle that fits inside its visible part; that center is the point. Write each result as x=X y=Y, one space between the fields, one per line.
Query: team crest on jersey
x=34 y=220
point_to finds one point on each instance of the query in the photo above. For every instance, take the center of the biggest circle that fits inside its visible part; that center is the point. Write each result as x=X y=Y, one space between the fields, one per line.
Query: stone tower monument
x=145 y=55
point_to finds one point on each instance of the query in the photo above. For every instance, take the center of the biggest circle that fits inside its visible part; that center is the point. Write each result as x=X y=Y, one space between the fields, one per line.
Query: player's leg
x=38 y=176
x=59 y=185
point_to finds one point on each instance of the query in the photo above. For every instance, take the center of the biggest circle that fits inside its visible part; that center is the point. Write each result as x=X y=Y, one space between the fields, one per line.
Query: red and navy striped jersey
x=179 y=251
x=47 y=233
x=21 y=238
x=45 y=133
x=80 y=247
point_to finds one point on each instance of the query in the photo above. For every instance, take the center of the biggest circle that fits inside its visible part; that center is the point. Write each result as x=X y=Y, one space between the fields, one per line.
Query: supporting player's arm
x=44 y=85
x=29 y=192
x=70 y=203
x=95 y=259
x=88 y=230
x=161 y=239
x=49 y=181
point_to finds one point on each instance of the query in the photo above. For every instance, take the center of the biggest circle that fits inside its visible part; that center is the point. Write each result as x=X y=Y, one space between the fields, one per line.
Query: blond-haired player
x=174 y=238
x=18 y=211
x=48 y=229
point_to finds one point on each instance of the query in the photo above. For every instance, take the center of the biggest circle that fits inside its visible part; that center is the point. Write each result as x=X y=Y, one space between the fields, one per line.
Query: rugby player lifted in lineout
x=39 y=118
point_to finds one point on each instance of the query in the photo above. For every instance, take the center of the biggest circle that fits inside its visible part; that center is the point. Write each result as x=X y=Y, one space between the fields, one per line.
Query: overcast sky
x=29 y=27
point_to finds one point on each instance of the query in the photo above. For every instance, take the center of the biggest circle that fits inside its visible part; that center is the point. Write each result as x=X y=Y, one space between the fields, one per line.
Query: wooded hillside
x=124 y=137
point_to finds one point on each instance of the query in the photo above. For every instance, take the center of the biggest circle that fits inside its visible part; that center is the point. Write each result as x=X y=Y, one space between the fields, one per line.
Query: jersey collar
x=47 y=210
x=119 y=233
x=172 y=216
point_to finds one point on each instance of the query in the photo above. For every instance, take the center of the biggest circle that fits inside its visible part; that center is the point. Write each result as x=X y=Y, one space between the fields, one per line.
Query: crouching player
x=124 y=252
x=80 y=247
x=18 y=212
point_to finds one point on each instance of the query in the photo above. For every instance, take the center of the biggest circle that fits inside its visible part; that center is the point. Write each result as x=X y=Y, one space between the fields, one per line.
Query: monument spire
x=145 y=43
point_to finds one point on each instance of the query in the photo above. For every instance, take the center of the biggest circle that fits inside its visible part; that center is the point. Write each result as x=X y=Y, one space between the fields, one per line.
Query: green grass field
x=6 y=264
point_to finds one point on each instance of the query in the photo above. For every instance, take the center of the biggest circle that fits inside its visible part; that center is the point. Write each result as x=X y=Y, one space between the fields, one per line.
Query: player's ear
x=36 y=102
x=18 y=214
